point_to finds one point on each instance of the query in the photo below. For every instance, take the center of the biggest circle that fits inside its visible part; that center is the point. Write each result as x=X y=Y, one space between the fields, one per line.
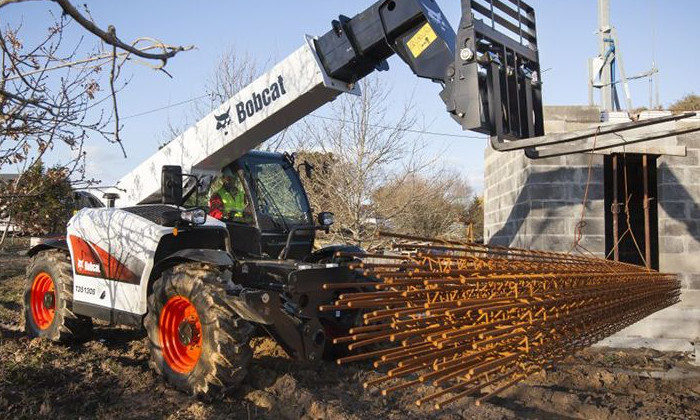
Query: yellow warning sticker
x=421 y=40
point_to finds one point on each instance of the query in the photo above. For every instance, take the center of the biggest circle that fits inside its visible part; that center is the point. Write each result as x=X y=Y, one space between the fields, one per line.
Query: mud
x=109 y=377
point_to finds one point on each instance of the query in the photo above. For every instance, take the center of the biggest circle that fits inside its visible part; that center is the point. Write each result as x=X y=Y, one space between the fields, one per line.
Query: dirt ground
x=109 y=377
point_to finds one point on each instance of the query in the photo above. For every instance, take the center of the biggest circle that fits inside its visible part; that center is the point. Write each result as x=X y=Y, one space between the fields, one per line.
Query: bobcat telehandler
x=198 y=284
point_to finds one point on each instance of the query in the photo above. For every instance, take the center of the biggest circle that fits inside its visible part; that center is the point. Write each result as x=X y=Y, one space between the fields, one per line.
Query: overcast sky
x=269 y=30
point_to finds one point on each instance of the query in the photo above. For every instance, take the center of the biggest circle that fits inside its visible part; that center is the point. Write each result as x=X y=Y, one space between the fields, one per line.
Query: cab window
x=227 y=199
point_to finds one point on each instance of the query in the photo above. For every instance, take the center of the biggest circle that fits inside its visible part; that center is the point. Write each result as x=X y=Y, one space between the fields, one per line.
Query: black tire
x=224 y=336
x=53 y=266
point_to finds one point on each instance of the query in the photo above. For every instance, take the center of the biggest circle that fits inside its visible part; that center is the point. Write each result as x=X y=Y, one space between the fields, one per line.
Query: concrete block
x=557 y=243
x=548 y=191
x=694 y=210
x=521 y=211
x=514 y=165
x=673 y=209
x=689 y=139
x=572 y=175
x=595 y=208
x=671 y=245
x=577 y=191
x=592 y=226
x=505 y=215
x=673 y=227
x=594 y=243
x=679 y=192
x=666 y=176
x=690 y=160
x=521 y=241
x=691 y=176
x=557 y=161
x=557 y=209
x=678 y=263
x=499 y=241
x=506 y=185
x=547 y=226
x=693 y=246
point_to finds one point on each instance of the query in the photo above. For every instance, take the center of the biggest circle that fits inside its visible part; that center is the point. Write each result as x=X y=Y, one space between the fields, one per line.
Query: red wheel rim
x=41 y=312
x=180 y=334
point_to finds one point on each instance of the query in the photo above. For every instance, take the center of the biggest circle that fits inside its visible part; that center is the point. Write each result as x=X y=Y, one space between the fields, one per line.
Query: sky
x=269 y=30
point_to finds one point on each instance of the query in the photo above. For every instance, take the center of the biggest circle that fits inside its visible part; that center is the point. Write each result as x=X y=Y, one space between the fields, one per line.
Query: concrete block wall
x=537 y=204
x=679 y=212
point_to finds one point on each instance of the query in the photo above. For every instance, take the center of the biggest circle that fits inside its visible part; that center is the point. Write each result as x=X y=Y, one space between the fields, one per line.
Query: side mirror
x=171 y=185
x=308 y=169
x=111 y=198
x=326 y=219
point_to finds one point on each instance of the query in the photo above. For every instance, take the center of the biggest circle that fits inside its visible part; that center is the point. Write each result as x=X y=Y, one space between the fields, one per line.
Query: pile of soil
x=109 y=377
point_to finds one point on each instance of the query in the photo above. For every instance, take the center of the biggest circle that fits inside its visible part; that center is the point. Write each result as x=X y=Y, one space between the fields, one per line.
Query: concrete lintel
x=572 y=113
x=648 y=150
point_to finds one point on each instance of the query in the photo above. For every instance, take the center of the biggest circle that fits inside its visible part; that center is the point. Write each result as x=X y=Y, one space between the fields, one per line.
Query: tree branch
x=112 y=76
x=4 y=3
x=108 y=37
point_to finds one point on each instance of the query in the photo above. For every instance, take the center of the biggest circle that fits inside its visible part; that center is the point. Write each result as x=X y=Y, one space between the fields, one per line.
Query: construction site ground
x=109 y=377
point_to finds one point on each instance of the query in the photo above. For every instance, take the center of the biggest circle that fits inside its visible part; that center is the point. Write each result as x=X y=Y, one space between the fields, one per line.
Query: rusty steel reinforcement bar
x=476 y=319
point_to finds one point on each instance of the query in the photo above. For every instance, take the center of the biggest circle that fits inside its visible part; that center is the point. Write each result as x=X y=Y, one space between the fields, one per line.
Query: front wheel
x=198 y=343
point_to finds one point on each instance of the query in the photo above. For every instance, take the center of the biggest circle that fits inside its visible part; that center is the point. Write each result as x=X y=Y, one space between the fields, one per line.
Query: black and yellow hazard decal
x=421 y=40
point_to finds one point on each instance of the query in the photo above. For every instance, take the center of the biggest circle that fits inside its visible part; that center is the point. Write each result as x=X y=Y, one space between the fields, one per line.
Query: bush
x=690 y=102
x=41 y=202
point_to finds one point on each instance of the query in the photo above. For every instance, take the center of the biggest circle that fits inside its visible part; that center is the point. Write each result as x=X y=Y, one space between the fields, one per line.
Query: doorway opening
x=630 y=182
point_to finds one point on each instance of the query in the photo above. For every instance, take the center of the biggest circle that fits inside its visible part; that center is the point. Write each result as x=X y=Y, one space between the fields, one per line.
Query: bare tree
x=363 y=145
x=51 y=90
x=233 y=71
x=428 y=205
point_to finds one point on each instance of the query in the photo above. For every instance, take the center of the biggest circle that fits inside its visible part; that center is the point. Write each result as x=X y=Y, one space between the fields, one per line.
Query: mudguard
x=215 y=257
x=51 y=243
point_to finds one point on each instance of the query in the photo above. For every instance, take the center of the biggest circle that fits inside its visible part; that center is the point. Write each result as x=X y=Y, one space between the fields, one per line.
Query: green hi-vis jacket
x=233 y=205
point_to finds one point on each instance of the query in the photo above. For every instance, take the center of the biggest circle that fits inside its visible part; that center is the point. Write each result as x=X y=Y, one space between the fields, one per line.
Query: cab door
x=280 y=204
x=240 y=219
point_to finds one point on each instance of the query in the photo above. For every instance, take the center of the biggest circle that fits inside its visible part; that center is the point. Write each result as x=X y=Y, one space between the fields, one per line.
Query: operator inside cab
x=227 y=199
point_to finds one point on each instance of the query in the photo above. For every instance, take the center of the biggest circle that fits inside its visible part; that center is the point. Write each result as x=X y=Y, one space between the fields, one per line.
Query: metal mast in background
x=602 y=69
x=606 y=58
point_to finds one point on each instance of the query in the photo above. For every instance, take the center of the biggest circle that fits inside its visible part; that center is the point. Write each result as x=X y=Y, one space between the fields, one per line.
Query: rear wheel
x=198 y=343
x=48 y=296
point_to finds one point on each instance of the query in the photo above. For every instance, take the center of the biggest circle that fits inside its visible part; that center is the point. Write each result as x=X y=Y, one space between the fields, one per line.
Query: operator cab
x=261 y=199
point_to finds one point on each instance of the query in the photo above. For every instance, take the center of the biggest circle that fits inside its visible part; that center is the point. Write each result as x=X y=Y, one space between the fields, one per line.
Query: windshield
x=278 y=191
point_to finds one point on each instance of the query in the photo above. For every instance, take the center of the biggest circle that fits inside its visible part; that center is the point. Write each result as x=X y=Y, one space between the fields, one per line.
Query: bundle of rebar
x=475 y=320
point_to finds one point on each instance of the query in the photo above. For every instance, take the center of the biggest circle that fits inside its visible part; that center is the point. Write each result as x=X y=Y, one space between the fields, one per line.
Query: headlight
x=194 y=216
x=326 y=218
